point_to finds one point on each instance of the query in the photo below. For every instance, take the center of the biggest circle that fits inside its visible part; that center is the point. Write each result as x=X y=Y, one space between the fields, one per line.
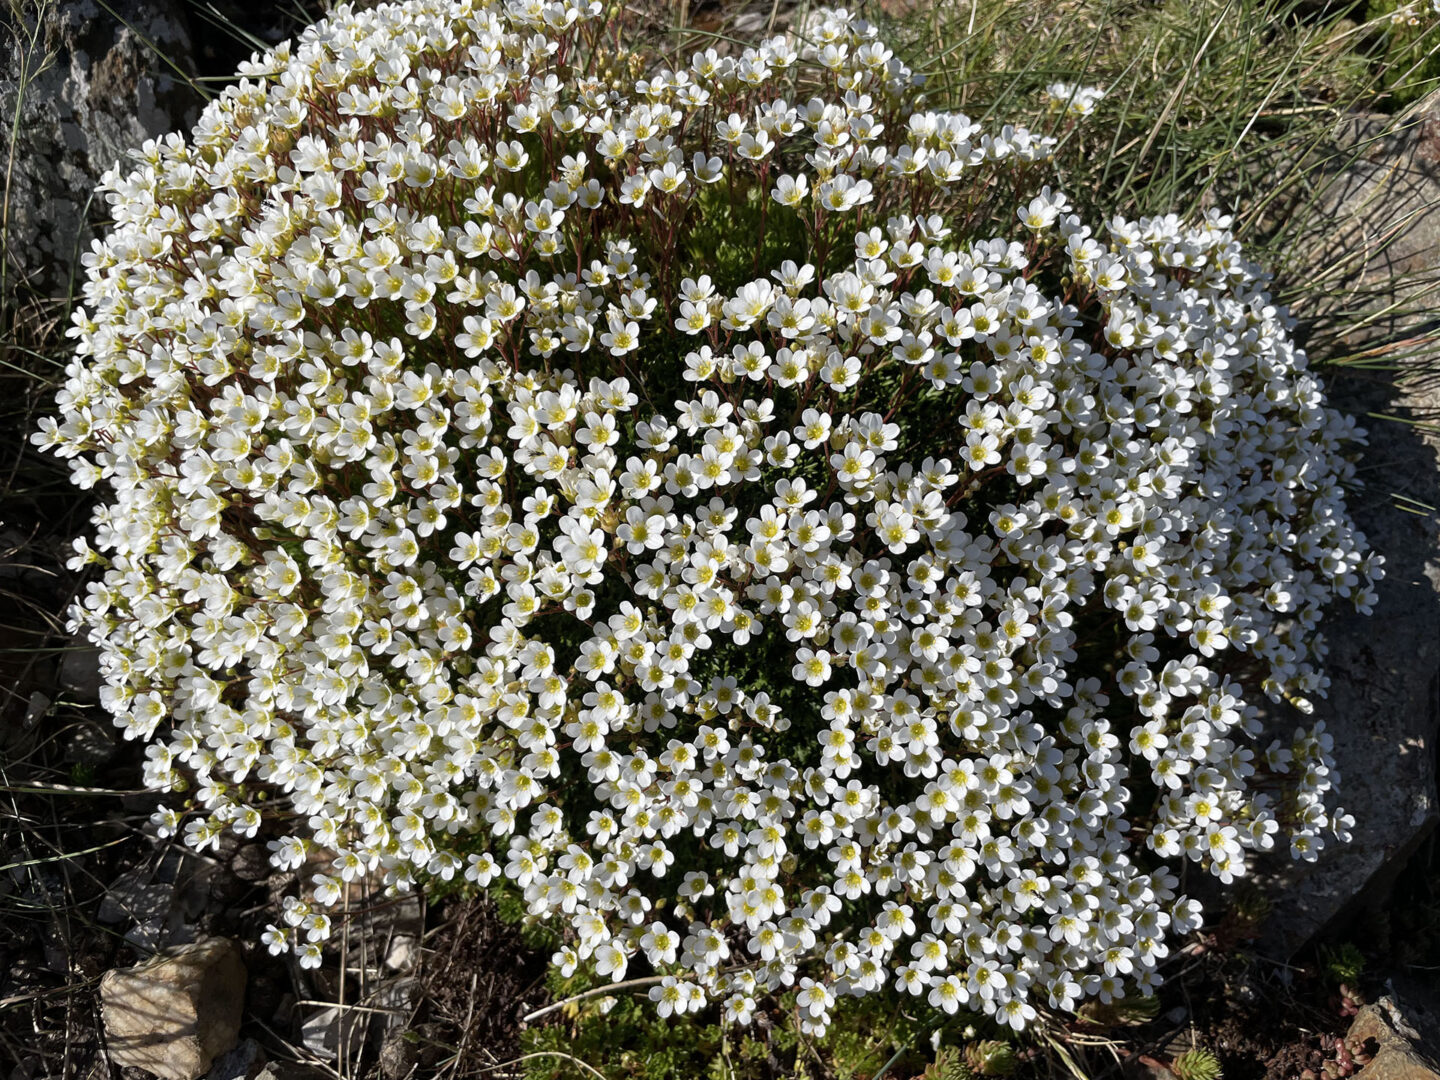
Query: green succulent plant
x=1197 y=1063
x=1343 y=963
x=985 y=1057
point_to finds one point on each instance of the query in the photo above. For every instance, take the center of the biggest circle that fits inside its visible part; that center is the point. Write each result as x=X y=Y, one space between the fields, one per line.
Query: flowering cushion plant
x=747 y=510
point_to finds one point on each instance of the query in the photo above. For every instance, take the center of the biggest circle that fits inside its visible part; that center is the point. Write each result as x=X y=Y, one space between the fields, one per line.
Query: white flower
x=791 y=191
x=1075 y=100
x=814 y=999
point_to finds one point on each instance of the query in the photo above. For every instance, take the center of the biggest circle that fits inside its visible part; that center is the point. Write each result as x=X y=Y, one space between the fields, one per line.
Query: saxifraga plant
x=750 y=511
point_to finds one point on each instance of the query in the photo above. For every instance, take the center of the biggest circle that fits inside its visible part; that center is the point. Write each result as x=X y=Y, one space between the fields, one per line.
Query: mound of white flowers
x=749 y=512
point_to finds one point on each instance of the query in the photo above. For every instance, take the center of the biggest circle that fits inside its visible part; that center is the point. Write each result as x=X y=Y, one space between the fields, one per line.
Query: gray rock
x=176 y=864
x=398 y=1056
x=251 y=863
x=19 y=731
x=1378 y=223
x=331 y=1032
x=35 y=709
x=89 y=742
x=141 y=902
x=1378 y=239
x=402 y=954
x=393 y=1000
x=90 y=87
x=148 y=935
x=174 y=1014
x=242 y=1063
x=382 y=916
x=79 y=674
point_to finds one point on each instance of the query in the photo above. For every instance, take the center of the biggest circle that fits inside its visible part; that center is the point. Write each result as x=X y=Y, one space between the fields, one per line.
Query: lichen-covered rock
x=91 y=84
x=174 y=1014
x=1390 y=1035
